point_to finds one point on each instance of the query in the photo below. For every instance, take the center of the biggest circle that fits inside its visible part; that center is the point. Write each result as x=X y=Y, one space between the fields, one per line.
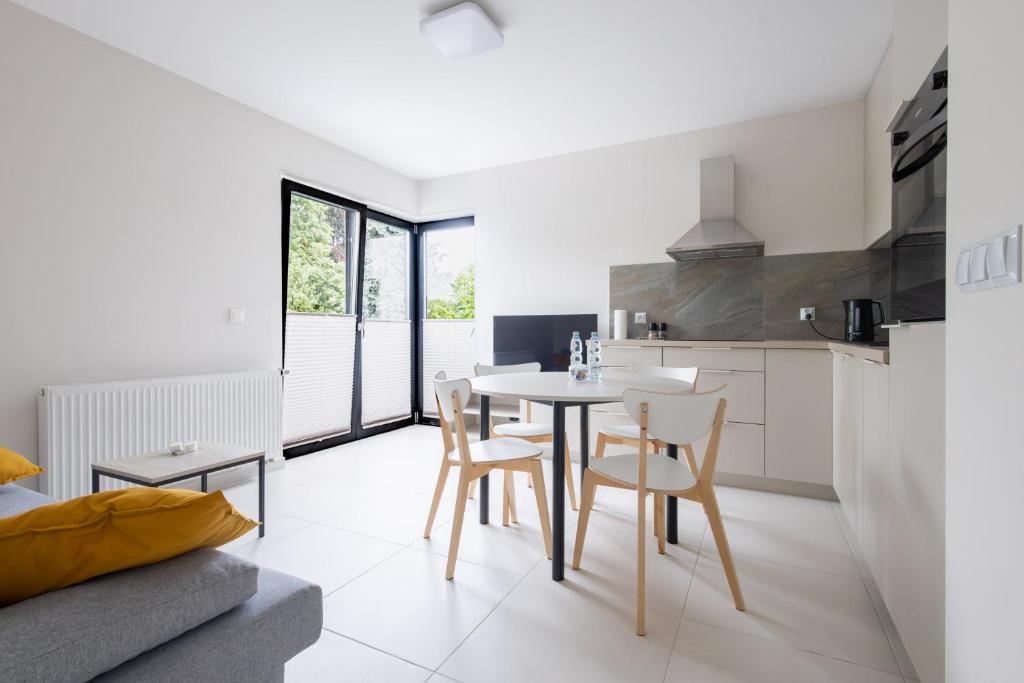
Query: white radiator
x=87 y=423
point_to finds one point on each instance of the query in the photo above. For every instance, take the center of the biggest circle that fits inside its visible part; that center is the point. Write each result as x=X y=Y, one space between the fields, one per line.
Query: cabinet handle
x=628 y=348
x=711 y=348
x=870 y=362
x=718 y=372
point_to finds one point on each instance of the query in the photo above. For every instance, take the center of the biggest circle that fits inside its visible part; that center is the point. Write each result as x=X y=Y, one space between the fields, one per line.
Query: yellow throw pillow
x=62 y=544
x=14 y=466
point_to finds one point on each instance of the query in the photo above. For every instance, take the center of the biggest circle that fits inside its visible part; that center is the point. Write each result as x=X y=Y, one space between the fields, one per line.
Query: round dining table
x=560 y=391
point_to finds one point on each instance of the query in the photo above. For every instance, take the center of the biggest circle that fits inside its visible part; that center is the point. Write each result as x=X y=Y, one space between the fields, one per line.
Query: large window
x=449 y=304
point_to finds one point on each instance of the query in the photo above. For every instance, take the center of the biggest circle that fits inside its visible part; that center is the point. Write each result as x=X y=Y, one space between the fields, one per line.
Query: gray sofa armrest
x=83 y=630
x=250 y=643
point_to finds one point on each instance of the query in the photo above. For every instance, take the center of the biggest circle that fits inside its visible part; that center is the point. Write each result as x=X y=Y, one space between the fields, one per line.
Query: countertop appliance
x=859 y=320
x=918 y=238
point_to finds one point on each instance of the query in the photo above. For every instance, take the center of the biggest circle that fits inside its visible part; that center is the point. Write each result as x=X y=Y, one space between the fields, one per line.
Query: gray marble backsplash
x=751 y=298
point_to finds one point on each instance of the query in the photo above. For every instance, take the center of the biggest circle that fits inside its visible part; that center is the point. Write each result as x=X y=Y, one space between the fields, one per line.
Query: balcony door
x=348 y=294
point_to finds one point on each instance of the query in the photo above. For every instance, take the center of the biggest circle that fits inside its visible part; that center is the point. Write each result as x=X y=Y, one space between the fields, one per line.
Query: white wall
x=137 y=207
x=984 y=350
x=548 y=230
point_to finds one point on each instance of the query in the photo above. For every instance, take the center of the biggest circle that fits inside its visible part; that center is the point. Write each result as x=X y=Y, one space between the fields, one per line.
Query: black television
x=539 y=338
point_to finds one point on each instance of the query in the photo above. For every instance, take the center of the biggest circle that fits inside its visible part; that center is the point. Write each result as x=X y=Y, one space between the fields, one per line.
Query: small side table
x=157 y=469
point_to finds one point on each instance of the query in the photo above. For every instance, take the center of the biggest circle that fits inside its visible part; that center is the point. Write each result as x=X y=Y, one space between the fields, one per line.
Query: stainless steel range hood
x=717 y=234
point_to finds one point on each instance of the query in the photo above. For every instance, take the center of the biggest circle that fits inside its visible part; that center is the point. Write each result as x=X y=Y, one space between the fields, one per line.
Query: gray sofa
x=202 y=616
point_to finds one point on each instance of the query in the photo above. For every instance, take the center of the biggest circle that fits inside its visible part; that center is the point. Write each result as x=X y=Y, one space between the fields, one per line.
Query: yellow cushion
x=14 y=466
x=62 y=544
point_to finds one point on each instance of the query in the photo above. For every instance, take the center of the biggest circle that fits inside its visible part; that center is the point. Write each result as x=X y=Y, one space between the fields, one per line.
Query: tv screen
x=539 y=338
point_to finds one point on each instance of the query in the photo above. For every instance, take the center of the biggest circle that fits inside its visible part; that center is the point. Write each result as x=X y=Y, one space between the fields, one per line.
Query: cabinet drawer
x=741 y=450
x=744 y=393
x=624 y=355
x=715 y=359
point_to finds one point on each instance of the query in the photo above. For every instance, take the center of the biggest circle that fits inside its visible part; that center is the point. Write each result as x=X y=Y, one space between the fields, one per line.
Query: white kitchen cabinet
x=715 y=358
x=744 y=393
x=798 y=415
x=874 y=523
x=847 y=434
x=740 y=451
x=624 y=355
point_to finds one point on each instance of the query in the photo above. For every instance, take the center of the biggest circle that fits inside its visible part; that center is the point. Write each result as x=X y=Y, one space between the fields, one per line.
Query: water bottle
x=576 y=356
x=594 y=358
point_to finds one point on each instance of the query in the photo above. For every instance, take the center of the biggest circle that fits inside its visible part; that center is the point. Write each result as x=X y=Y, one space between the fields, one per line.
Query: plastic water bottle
x=576 y=355
x=594 y=358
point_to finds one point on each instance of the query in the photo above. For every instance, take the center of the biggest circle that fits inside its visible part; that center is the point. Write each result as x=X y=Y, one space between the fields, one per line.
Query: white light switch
x=236 y=316
x=996 y=264
x=979 y=258
x=640 y=317
x=963 y=268
x=992 y=262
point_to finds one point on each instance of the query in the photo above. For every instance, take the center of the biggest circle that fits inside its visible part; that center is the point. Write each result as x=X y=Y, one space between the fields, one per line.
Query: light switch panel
x=992 y=262
x=236 y=316
x=640 y=317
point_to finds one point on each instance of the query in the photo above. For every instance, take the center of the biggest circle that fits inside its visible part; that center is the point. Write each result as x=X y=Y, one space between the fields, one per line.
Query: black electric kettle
x=859 y=319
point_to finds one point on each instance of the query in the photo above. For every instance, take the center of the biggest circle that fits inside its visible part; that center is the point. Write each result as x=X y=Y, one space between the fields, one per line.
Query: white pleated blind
x=448 y=346
x=386 y=371
x=320 y=360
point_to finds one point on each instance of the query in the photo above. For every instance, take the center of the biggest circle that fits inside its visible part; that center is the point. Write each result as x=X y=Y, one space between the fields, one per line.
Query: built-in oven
x=918 y=239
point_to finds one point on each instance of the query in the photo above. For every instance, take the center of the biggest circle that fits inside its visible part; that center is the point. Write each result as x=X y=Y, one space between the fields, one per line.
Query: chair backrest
x=681 y=419
x=679 y=374
x=452 y=396
x=484 y=370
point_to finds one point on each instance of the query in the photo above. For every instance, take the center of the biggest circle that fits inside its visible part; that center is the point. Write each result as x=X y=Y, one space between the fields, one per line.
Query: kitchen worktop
x=877 y=354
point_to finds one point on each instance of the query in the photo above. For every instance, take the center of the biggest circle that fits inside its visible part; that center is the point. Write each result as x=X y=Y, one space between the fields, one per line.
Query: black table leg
x=558 y=492
x=485 y=433
x=95 y=481
x=203 y=483
x=262 y=462
x=672 y=525
x=584 y=441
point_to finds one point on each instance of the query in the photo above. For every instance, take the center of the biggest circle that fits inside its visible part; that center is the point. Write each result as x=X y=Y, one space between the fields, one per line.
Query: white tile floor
x=351 y=519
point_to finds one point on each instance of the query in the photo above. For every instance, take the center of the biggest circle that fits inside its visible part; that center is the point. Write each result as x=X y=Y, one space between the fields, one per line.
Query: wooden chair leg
x=641 y=567
x=722 y=543
x=599 y=449
x=659 y=520
x=442 y=479
x=691 y=459
x=568 y=476
x=542 y=503
x=472 y=489
x=514 y=513
x=460 y=513
x=529 y=480
x=506 y=476
x=587 y=492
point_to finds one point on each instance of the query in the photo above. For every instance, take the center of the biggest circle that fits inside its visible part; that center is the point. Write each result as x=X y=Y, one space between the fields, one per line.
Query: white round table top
x=559 y=386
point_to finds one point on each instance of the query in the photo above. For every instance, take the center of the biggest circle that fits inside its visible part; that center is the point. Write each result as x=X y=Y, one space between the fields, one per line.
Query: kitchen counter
x=877 y=354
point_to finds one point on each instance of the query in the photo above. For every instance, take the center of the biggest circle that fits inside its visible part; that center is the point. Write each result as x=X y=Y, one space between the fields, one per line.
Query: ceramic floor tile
x=398 y=518
x=608 y=568
x=337 y=659
x=278 y=526
x=547 y=631
x=902 y=658
x=515 y=548
x=321 y=554
x=326 y=496
x=852 y=543
x=824 y=613
x=712 y=655
x=803 y=532
x=407 y=608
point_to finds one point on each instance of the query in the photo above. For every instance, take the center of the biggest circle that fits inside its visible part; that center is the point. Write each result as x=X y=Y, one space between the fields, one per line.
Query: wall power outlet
x=807 y=313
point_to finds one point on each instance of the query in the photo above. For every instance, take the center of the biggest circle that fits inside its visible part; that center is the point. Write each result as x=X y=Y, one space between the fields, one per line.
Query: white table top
x=152 y=468
x=559 y=386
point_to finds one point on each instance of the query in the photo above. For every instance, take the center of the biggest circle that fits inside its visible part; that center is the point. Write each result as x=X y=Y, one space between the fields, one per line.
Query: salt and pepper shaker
x=662 y=329
x=653 y=333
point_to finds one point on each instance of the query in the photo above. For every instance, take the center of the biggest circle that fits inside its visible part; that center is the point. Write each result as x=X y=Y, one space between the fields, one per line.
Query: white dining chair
x=629 y=434
x=680 y=419
x=477 y=459
x=525 y=429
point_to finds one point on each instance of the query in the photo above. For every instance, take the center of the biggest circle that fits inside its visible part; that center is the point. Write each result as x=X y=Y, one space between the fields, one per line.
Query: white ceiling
x=573 y=74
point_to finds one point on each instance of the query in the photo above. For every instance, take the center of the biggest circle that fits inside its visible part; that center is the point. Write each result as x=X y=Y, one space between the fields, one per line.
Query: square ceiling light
x=462 y=31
